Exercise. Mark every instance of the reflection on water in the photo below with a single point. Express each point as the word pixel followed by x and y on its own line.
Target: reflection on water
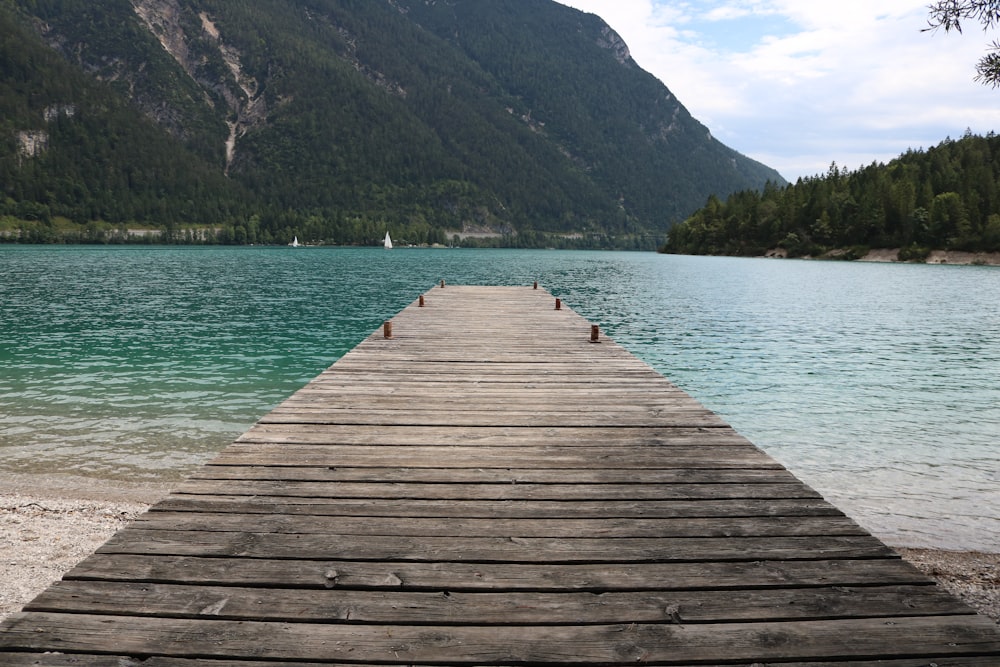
pixel 876 384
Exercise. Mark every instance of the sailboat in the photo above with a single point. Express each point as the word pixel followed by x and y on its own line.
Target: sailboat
pixel 388 242
pixel 295 242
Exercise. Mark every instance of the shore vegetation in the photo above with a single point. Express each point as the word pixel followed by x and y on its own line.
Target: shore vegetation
pixel 943 198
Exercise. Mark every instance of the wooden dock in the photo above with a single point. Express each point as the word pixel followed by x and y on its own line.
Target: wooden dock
pixel 490 487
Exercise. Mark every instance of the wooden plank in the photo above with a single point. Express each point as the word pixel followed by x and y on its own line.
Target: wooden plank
pixel 493 437
pixel 556 366
pixel 563 387
pixel 691 418
pixel 582 645
pixel 497 375
pixel 509 509
pixel 476 457
pixel 472 396
pixel 425 549
pixel 496 608
pixel 684 527
pixel 53 660
pixel 435 408
pixel 293 472
pixel 513 489
pixel 539 577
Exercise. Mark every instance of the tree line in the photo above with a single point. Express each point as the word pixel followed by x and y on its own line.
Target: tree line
pixel 946 197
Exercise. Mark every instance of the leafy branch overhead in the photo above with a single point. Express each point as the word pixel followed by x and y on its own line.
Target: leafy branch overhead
pixel 950 15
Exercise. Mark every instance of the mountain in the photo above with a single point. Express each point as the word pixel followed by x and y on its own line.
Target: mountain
pixel 71 146
pixel 333 119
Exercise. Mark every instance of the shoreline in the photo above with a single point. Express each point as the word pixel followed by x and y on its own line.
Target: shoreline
pixel 48 524
pixel 957 257
pixel 891 256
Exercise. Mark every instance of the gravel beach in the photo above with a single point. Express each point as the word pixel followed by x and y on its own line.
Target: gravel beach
pixel 48 525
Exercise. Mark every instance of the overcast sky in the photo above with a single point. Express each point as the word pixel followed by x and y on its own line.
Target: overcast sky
pixel 798 84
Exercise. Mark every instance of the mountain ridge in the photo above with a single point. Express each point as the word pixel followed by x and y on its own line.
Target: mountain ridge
pixel 331 120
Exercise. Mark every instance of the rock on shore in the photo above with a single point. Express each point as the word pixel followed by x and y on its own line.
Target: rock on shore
pixel 891 255
pixel 937 257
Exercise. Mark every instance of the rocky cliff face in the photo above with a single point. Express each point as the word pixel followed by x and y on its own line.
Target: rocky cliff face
pixel 612 41
pixel 245 108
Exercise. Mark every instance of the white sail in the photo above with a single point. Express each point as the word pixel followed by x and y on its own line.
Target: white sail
pixel 295 242
pixel 388 242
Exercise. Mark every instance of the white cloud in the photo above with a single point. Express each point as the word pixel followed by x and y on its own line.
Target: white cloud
pixel 798 84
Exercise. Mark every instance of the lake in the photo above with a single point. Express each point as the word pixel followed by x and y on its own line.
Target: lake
pixel 877 384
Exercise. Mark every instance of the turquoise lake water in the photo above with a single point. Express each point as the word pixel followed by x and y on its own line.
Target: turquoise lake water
pixel 877 384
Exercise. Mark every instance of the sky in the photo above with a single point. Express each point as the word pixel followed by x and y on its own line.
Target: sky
pixel 800 84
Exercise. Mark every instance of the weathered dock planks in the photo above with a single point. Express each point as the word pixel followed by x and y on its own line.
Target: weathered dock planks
pixel 488 487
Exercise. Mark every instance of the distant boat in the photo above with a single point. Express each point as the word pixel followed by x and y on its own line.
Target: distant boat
pixel 295 242
pixel 388 242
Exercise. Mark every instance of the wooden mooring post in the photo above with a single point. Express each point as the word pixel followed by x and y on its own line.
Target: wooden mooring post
pixel 491 489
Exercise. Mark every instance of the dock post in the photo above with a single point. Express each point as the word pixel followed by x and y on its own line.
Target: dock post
pixel 442 283
pixel 595 333
pixel 558 304
pixel 536 284
pixel 421 300
pixel 387 329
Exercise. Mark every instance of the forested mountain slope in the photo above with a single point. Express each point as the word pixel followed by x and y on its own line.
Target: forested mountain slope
pixel 944 198
pixel 334 119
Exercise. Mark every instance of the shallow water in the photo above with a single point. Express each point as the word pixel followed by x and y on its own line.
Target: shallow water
pixel 876 384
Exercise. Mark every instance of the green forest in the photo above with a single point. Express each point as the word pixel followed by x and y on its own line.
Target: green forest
pixel 335 120
pixel 943 198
